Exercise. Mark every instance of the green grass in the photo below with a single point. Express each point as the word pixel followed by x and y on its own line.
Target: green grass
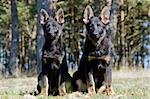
pixel 126 84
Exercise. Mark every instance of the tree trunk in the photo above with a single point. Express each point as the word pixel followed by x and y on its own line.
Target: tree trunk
pixel 121 61
pixel 13 62
pixel 113 17
pixel 97 7
pixel 32 52
pixel 122 33
pixel 33 48
pixel 22 52
pixel 114 7
pixel 137 60
pixel 40 38
pixel 130 59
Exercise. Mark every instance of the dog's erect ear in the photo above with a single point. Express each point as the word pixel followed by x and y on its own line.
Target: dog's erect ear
pixel 88 13
pixel 105 15
pixel 60 16
pixel 43 16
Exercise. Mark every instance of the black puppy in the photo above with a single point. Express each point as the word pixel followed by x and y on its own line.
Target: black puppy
pixel 51 80
pixel 94 73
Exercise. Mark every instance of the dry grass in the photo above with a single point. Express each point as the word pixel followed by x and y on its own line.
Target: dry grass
pixel 126 84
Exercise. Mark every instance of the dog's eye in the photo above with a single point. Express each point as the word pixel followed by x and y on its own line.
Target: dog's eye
pixel 91 27
pixel 98 25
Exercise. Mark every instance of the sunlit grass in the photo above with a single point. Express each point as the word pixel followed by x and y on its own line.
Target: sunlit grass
pixel 126 84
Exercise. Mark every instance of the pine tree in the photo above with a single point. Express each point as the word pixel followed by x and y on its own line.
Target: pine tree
pixel 13 62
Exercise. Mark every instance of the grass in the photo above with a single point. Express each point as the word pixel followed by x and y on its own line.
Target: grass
pixel 126 84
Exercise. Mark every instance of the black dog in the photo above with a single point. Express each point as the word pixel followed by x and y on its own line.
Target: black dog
pixel 94 73
pixel 51 80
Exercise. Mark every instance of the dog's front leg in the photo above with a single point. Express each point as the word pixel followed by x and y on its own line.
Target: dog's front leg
pixel 61 86
pixel 43 85
pixel 90 84
pixel 107 88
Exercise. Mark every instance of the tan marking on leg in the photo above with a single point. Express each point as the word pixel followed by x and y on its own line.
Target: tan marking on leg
pixel 91 85
pixel 43 83
pixel 62 89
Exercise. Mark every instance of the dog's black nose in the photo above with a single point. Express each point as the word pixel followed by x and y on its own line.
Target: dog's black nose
pixel 97 35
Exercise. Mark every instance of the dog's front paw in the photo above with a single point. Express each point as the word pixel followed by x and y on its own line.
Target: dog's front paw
pixel 91 90
pixel 43 85
pixel 44 92
pixel 106 90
